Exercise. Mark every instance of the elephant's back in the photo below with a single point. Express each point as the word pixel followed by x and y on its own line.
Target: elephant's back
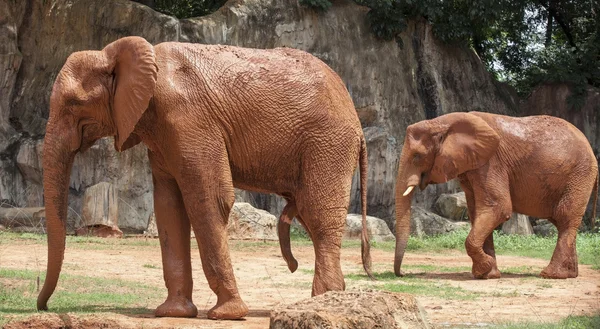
pixel 280 81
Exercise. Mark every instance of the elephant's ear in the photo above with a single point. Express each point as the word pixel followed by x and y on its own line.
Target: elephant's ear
pixel 467 144
pixel 133 67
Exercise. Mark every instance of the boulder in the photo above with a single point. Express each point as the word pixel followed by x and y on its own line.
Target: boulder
pixel 247 222
pixel 452 206
pixel 544 228
pixel 350 309
pixel 423 222
pixel 151 231
pixel 23 217
pixel 377 228
pixel 99 216
pixel 518 224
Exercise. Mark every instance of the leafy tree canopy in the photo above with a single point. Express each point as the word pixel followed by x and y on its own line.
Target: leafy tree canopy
pixel 188 8
pixel 523 42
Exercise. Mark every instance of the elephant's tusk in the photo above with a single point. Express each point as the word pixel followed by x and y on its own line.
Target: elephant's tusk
pixel 408 190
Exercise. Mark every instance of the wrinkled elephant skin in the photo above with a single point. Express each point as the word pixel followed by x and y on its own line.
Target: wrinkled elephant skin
pixel 213 118
pixel 539 166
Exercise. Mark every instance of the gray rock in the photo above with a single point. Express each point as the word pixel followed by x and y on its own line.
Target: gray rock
pixel 247 222
pixel 352 310
pixel 100 212
pixel 423 223
pixel 544 228
pixel 518 224
pixel 29 161
pixel 377 228
pixel 151 231
pixel 33 217
pixel 452 206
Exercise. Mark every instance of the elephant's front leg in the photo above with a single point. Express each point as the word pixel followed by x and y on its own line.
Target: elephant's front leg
pixel 174 235
pixel 479 243
pixel 488 244
pixel 208 194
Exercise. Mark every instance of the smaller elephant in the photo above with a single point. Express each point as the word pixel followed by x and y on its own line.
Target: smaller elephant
pixel 539 166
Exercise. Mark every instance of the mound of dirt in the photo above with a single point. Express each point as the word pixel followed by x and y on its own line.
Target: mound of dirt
pixel 349 309
pixel 64 321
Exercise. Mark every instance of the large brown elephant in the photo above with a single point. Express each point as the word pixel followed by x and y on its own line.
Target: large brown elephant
pixel 213 118
pixel 539 166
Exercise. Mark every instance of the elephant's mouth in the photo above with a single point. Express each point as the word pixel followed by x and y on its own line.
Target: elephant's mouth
pixel 424 181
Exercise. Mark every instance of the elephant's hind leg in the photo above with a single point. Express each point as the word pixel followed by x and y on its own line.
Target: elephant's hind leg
pixel 564 259
pixel 207 189
pixel 174 235
pixel 283 232
pixel 326 228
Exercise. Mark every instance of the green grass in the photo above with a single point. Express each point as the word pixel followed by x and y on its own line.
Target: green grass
pixel 78 242
pixel 18 294
pixel 588 245
pixel 571 322
pixel 388 281
pixel 151 266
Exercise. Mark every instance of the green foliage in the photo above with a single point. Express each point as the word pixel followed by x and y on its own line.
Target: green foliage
pixel 524 42
pixel 316 4
pixel 188 8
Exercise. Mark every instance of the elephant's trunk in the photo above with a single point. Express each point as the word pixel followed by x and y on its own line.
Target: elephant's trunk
pixel 406 180
pixel 57 162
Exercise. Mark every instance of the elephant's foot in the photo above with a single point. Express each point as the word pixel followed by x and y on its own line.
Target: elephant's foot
pixel 486 269
pixel 177 307
pixel 493 274
pixel 232 309
pixel 554 272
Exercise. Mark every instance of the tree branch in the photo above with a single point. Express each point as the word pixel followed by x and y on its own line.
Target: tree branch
pixel 561 22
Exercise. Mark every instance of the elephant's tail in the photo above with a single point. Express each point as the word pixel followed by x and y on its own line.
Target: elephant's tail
pixel 595 194
pixel 364 242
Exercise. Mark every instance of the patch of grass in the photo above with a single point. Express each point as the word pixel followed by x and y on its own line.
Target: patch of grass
pixel 18 294
pixel 523 269
pixel 436 269
pixel 588 245
pixel 544 285
pixel 571 322
pixel 388 281
pixel 78 242
pixel 151 266
pixel 307 271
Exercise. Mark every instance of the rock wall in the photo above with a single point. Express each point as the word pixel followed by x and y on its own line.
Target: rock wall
pixel 392 86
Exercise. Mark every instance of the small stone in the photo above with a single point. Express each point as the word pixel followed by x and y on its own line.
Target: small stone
pixel 518 224
pixel 377 228
pixel 452 206
pixel 423 223
pixel 100 213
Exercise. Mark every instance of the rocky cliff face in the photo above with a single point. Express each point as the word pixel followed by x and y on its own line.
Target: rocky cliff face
pixel 391 86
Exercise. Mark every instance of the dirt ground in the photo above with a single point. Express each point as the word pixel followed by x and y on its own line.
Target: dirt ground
pixel 264 282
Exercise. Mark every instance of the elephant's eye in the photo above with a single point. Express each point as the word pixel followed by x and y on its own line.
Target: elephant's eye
pixel 417 157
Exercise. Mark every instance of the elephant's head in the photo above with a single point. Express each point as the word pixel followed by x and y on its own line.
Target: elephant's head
pixel 436 151
pixel 96 94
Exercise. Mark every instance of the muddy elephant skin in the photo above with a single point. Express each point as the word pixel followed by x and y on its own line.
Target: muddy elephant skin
pixel 213 118
pixel 539 166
